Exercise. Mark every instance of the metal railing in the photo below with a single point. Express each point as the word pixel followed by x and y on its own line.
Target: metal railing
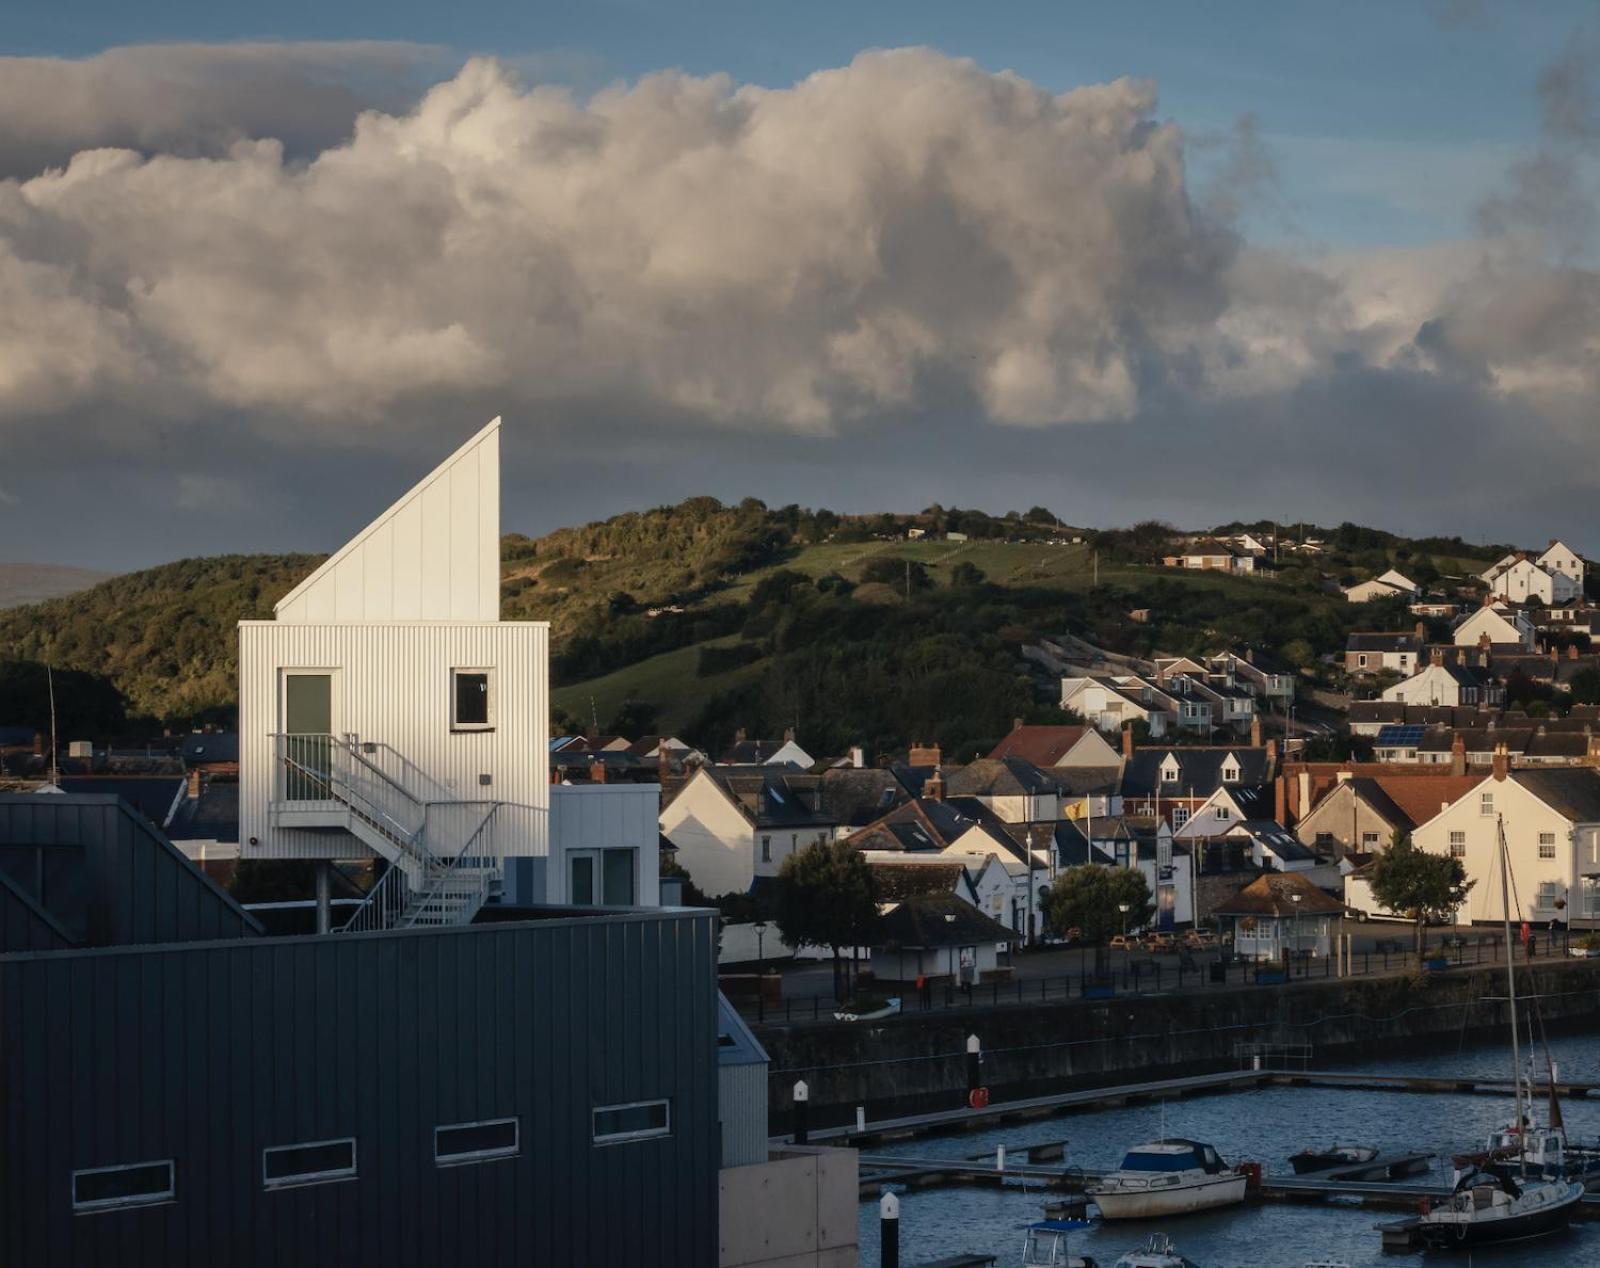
pixel 330 768
pixel 479 875
pixel 385 904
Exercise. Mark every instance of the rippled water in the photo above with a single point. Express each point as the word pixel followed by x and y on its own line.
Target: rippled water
pixel 1266 1126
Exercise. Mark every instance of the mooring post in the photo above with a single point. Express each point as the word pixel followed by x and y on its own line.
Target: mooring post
pixel 889 1231
pixel 974 1062
pixel 802 1097
pixel 999 1157
pixel 861 1119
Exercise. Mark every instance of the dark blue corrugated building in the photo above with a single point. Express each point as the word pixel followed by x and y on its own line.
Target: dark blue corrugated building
pixel 176 1089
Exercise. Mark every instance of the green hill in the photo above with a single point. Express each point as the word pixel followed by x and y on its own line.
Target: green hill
pixel 700 618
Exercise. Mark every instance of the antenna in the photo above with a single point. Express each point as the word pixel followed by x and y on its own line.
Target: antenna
pixel 50 683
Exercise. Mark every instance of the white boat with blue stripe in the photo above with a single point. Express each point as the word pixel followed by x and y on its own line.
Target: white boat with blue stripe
pixel 1168 1177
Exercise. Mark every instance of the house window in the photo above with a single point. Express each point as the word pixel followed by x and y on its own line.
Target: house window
pixel 1547 845
pixel 1361 660
pixel 1180 816
pixel 1549 894
pixel 109 1188
pixel 1222 813
pixel 601 878
pixel 1169 775
pixel 1458 845
pixel 1369 838
pixel 1486 803
pixel 464 1143
pixel 1324 839
pixel 471 700
pixel 1230 774
pixel 316 1162
pixel 637 1120
pixel 766 849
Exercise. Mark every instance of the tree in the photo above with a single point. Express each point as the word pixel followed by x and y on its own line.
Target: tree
pixel 1088 898
pixel 827 896
pixel 966 575
pixel 1418 885
pixel 1299 653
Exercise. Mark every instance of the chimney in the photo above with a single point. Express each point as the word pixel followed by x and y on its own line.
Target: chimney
pixel 1461 656
pixel 858 758
pixel 924 755
pixel 597 772
pixel 1280 800
pixel 1484 642
pixel 1438 655
pixel 1250 655
pixel 1422 633
pixel 663 762
pixel 1458 754
pixel 194 784
pixel 1255 731
pixel 1500 766
pixel 1303 802
pixel 1572 651
pixel 933 790
pixel 1272 759
pixel 1016 724
pixel 788 735
pixel 739 736
pixel 555 774
pixel 1127 741
pixel 38 743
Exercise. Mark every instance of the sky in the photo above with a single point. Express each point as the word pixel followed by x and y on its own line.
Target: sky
pixel 1125 260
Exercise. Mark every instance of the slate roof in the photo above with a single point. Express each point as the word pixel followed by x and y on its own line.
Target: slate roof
pixel 152 797
pixel 1278 840
pixel 857 796
pixel 771 796
pixel 1073 848
pixel 1199 769
pixel 212 816
pixel 900 881
pixel 921 922
pixel 1269 895
pixel 1000 777
pixel 1378 641
pixel 1083 781
pixel 1573 792
pixel 1044 746
pixel 752 752
pixel 200 747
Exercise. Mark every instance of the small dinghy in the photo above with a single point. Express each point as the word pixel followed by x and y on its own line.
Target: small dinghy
pixel 1311 1160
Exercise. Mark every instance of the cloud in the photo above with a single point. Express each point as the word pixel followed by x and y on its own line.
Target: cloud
pixel 197 99
pixel 904 254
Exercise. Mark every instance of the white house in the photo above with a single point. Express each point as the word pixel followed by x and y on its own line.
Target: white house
pixel 1110 701
pixel 1442 683
pixel 1503 627
pixel 1524 581
pixel 734 825
pixel 1382 587
pixel 387 710
pixel 1561 558
pixel 1552 828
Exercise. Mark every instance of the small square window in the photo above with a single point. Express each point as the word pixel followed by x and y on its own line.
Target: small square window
pixel 1547 851
pixel 110 1188
pixel 1369 838
pixel 476 1142
pixel 638 1120
pixel 315 1162
pixel 471 700
pixel 1486 803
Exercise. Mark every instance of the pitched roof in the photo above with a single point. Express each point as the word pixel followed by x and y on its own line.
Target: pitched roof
pixel 1372 641
pixel 770 796
pixel 937 920
pixel 200 747
pixel 898 881
pixel 859 795
pixel 1199 769
pixel 1572 791
pixel 1269 895
pixel 212 816
pixel 1041 745
pixel 1000 777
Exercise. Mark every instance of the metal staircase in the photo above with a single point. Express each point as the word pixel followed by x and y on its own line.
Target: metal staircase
pixel 435 876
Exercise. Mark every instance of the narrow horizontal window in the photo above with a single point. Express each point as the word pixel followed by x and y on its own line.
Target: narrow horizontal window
pixel 315 1162
pixel 137 1184
pixel 638 1120
pixel 475 1142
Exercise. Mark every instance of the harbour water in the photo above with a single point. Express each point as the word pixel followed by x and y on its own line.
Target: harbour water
pixel 1265 1126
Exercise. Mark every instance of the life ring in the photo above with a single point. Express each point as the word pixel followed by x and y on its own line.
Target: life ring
pixel 978 1098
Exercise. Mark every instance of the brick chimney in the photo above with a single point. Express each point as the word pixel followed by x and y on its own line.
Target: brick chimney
pixel 38 743
pixel 1501 764
pixel 1272 759
pixel 933 790
pixel 1572 651
pixel 1461 656
pixel 597 772
pixel 788 735
pixel 1127 741
pixel 740 736
pixel 1280 799
pixel 555 774
pixel 924 755
pixel 1458 754
pixel 663 762
pixel 1255 731
pixel 1438 656
pixel 1484 642
pixel 1016 724
pixel 1422 633
pixel 1249 655
pixel 194 784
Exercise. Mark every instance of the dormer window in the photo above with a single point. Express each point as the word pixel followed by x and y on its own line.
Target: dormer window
pixel 1230 773
pixel 1169 774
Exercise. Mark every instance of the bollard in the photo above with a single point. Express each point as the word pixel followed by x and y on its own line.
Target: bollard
pixel 1258 1060
pixel 999 1157
pixel 802 1097
pixel 861 1119
pixel 889 1231
pixel 974 1061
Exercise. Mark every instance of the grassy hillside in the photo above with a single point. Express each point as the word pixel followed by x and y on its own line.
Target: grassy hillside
pixel 700 618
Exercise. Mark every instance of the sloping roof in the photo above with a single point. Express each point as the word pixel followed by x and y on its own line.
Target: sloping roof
pixel 1374 641
pixel 1277 840
pixel 153 798
pixel 736 1042
pixel 753 752
pixel 212 816
pixel 1199 769
pixel 938 920
pixel 900 881
pixel 768 796
pixel 857 796
pixel 1000 777
pixel 1082 781
pixel 200 747
pixel 1073 847
pixel 1269 895
pixel 1573 791
pixel 1419 797
pixel 1041 745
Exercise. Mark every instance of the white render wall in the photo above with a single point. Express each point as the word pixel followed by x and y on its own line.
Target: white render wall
pixel 715 840
pixel 392 685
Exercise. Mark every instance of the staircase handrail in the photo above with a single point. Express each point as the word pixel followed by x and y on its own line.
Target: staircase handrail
pixel 439 875
pixel 383 905
pixel 342 788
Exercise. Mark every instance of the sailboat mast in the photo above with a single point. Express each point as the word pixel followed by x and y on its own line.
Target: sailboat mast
pixel 1511 991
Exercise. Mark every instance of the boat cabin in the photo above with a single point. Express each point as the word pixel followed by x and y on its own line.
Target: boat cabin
pixel 1046 1246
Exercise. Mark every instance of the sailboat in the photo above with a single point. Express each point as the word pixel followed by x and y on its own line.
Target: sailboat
pixel 1503 1203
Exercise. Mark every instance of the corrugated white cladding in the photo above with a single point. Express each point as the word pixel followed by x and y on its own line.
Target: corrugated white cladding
pixel 608 817
pixel 392 686
pixel 432 556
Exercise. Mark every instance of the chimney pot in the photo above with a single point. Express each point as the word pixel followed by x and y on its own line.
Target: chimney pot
pixel 597 772
pixel 1500 765
pixel 194 784
pixel 1572 651
pixel 788 734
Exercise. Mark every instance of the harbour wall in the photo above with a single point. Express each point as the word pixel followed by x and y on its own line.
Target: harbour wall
pixel 917 1062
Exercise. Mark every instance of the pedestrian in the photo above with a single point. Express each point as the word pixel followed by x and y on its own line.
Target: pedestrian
pixel 1533 946
pixel 924 990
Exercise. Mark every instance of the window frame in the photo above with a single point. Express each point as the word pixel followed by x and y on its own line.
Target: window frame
pixel 303 1178
pixel 599 1140
pixel 456 724
pixel 94 1206
pixel 470 1157
pixel 1485 805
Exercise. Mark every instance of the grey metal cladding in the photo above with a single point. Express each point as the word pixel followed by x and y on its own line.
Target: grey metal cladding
pixel 207 1052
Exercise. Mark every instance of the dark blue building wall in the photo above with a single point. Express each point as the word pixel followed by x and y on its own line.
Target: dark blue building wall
pixel 207 1053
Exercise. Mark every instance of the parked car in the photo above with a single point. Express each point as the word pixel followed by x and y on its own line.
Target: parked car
pixel 1125 942
pixel 1161 943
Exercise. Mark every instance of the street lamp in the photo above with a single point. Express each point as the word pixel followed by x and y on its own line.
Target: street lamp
pixel 761 970
pixel 1295 899
pixel 1124 908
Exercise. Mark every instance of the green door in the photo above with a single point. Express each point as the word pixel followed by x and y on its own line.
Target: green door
pixel 308 728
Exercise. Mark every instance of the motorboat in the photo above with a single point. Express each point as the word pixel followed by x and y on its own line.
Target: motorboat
pixel 1335 1155
pixel 1047 1245
pixel 1157 1252
pixel 1507 1200
pixel 1168 1177
pixel 1489 1207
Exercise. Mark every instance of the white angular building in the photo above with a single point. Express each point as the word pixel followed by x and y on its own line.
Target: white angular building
pixel 388 710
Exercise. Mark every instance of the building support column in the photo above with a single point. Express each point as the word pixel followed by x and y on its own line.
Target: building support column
pixel 323 871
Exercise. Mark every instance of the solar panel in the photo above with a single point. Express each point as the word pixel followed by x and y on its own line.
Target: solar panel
pixel 1400 736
